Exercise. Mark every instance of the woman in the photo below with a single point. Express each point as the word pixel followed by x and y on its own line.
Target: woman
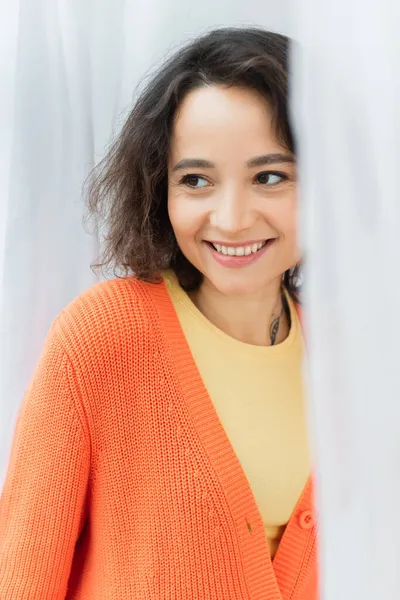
pixel 161 449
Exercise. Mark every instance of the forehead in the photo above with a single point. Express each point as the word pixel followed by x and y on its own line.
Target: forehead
pixel 217 122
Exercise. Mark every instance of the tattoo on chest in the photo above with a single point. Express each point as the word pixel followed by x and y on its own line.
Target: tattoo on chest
pixel 273 330
pixel 274 327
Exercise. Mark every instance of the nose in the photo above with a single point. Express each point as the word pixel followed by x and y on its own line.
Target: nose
pixel 232 212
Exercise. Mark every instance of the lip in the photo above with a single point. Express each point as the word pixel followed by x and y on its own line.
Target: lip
pixel 235 262
pixel 236 244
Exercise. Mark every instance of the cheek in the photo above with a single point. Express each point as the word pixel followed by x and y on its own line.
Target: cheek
pixel 283 217
pixel 186 217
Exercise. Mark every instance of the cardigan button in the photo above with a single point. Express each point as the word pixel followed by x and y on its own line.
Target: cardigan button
pixel 307 520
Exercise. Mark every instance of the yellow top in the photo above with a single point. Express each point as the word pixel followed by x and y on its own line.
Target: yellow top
pixel 258 394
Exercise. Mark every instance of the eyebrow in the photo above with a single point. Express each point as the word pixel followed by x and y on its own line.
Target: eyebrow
pixel 193 163
pixel 257 161
pixel 270 159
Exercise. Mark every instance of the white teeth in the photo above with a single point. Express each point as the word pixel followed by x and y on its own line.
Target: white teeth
pixel 239 250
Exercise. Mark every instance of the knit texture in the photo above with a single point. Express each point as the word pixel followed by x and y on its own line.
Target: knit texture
pixel 122 484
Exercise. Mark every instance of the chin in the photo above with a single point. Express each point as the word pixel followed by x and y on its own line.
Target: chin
pixel 237 284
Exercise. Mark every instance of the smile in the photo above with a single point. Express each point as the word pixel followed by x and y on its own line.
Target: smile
pixel 235 256
pixel 245 250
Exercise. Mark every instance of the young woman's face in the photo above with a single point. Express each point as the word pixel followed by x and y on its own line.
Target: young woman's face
pixel 232 190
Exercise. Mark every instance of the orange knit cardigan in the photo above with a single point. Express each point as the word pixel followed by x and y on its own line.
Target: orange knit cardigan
pixel 122 484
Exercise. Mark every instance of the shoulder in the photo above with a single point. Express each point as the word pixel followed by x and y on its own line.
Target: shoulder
pixel 111 296
pixel 108 315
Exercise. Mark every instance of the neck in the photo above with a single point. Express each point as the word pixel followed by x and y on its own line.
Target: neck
pixel 260 320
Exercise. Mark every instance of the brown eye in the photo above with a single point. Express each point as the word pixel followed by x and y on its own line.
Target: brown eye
pixel 194 181
pixel 269 178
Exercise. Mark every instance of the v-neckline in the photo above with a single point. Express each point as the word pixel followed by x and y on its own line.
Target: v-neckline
pixel 265 578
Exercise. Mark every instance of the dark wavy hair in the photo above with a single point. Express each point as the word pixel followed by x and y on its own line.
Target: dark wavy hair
pixel 127 192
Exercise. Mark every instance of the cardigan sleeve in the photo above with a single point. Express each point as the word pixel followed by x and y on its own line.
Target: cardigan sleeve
pixel 43 499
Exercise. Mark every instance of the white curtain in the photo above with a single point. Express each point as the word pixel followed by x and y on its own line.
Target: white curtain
pixel 346 106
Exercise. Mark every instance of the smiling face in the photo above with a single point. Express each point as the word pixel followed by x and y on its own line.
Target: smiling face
pixel 232 191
